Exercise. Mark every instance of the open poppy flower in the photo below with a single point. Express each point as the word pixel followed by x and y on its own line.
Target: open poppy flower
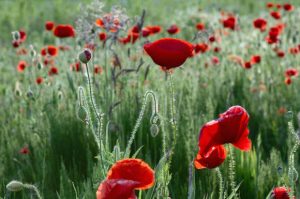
pixel 280 193
pixel 135 170
pixel 173 29
pixel 21 66
pixel 53 71
pixel 64 31
pixel 201 48
pixel 39 80
pixel 169 52
pixel 23 36
pixel 230 23
pixel 146 32
pixel 117 189
pixel 214 158
pixel 200 26
pixel 102 36
pixel 154 29
pixel 290 72
pixel 255 59
pixel 49 25
pixel 49 50
pixel 230 127
pixel 275 15
pixel 288 7
pixel 260 24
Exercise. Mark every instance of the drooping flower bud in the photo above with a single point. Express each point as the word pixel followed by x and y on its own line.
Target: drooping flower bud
pixel 154 130
pixel 16 35
pixel 85 56
pixel 15 186
pixel 82 113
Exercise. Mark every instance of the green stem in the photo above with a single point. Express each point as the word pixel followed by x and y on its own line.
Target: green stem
pixel 221 187
pixel 34 188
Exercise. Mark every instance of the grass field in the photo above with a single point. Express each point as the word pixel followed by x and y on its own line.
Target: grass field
pixel 54 141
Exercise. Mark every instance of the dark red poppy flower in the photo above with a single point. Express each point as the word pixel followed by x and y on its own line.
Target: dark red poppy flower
pixel 260 24
pixel 76 66
pixel 102 36
pixel 270 5
pixel 21 66
pixel 133 169
pixel 99 22
pixel 255 59
pixel 15 43
pixel 154 29
pixel 169 52
pixel 132 37
pixel 201 48
pixel 274 33
pixel 24 150
pixel 49 25
pixel 280 54
pixel 230 23
pixel 212 39
pixel 290 72
pixel 23 36
pixel 217 49
pixel 135 29
pixel 200 26
pixel 294 50
pixel 231 127
pixel 146 32
pixel 64 31
pixel 275 14
pixel 280 193
pixel 98 69
pixel 117 189
pixel 49 50
pixel 215 60
pixel 247 65
pixel 288 80
pixel 53 71
pixel 173 29
pixel 214 158
pixel 39 80
pixel 288 7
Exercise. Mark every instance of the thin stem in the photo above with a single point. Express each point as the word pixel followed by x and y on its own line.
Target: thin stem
pixel 34 188
pixel 221 186
pixel 99 117
pixel 232 169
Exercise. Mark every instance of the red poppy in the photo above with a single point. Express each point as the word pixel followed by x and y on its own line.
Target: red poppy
pixel 169 52
pixel 287 80
pixel 15 43
pixel 231 127
pixel 255 59
pixel 214 158
pixel 280 193
pixel 24 150
pixel 215 60
pixel 230 23
pixel 274 33
pixel 200 26
pixel 275 15
pixel 135 29
pixel 21 66
pixel 247 65
pixel 99 22
pixel 76 66
pixel 212 39
pixel 290 72
pixel 201 47
pixel 117 189
pixel 39 80
pixel 269 5
pixel 49 25
pixel 288 7
pixel 294 50
pixel 53 71
pixel 280 54
pixel 64 31
pixel 102 36
pixel 146 32
pixel 260 23
pixel 98 69
pixel 173 29
pixel 23 36
pixel 49 50
pixel 133 169
pixel 154 29
pixel 217 49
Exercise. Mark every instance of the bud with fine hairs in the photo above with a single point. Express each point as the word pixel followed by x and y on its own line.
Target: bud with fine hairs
pixel 85 56
pixel 16 35
pixel 15 186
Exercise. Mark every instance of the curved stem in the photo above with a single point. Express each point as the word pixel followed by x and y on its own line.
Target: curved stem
pixel 34 188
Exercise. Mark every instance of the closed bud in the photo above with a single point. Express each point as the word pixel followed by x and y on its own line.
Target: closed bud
pixel 85 56
pixel 29 94
pixel 16 35
pixel 40 65
pixel 32 51
pixel 15 186
pixel 154 130
pixel 82 113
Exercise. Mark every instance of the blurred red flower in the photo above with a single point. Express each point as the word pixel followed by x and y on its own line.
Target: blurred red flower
pixel 49 50
pixel 255 59
pixel 98 69
pixel 201 47
pixel 102 36
pixel 280 193
pixel 288 7
pixel 200 26
pixel 290 72
pixel 53 71
pixel 169 52
pixel 230 23
pixel 64 31
pixel 39 80
pixel 275 15
pixel 247 65
pixel 49 25
pixel 173 29
pixel 260 23
pixel 24 150
pixel 117 189
pixel 21 66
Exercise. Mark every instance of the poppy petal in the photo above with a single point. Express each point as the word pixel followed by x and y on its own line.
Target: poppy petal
pixel 214 158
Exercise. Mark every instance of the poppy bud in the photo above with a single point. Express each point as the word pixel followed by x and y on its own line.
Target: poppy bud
pixel 85 56
pixel 40 66
pixel 82 113
pixel 29 94
pixel 154 130
pixel 16 35
pixel 32 51
pixel 15 186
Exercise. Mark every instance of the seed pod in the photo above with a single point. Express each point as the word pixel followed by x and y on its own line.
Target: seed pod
pixel 85 56
pixel 15 186
pixel 154 130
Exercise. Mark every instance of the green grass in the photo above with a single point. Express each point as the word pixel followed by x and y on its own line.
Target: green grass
pixel 63 160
